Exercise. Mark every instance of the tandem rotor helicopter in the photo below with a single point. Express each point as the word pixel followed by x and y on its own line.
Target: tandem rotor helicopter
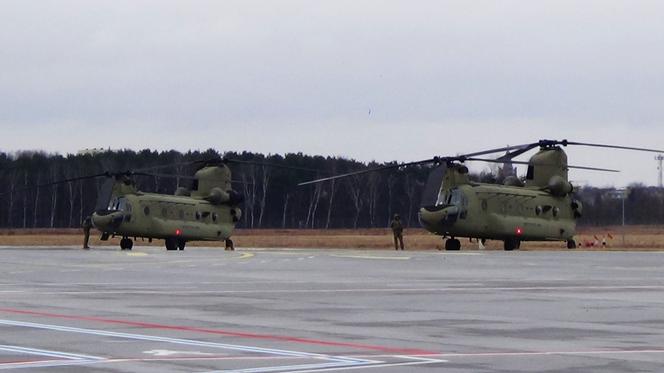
pixel 207 211
pixel 542 208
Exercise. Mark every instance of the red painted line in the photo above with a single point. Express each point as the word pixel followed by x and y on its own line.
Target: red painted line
pixel 14 362
pixel 221 332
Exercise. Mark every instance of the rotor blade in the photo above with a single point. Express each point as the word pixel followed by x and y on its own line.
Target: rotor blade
pixel 517 152
pixel 527 163
pixel 612 146
pixel 497 150
pixel 268 164
pixel 175 164
pixel 171 176
pixel 376 169
pixel 57 182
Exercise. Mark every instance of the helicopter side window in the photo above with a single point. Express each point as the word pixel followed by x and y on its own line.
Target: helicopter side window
pixel 194 185
pixel 530 175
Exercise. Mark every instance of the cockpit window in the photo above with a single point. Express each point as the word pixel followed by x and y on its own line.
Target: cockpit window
pixel 119 204
pixel 531 172
pixel 456 198
pixel 451 197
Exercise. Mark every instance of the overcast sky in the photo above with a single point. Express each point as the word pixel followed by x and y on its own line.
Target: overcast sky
pixel 372 80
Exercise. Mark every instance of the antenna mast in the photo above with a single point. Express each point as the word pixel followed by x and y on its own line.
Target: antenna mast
pixel 659 158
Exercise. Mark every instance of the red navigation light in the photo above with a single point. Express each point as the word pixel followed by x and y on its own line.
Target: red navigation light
pixel 519 231
pixel 178 232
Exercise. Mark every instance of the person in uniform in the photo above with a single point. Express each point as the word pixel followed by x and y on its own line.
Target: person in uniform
pixel 229 245
pixel 397 231
pixel 87 225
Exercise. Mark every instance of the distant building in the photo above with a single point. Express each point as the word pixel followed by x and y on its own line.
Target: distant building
pixel 92 151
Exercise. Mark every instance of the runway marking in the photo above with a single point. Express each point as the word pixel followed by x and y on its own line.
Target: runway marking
pixel 371 257
pixel 245 256
pixel 137 254
pixel 331 362
pixel 220 332
pixel 547 353
pixel 63 358
pixel 332 291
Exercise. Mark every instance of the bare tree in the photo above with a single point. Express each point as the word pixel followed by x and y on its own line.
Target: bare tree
pixel 249 191
pixel 264 186
pixel 355 191
pixel 409 187
pixel 25 199
pixel 333 190
pixel 36 204
pixel 391 181
pixel 54 196
pixel 12 186
pixel 313 206
pixel 372 197
pixel 283 216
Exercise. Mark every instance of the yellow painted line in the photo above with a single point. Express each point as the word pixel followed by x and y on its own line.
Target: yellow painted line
pixel 372 257
pixel 137 254
pixel 245 256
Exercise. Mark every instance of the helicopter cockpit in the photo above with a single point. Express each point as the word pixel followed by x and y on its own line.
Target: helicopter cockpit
pixel 119 204
pixel 452 197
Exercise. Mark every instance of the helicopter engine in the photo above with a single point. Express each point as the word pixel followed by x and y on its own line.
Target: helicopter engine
pixel 218 196
pixel 559 187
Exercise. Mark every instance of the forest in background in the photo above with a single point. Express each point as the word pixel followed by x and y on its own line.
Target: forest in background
pixel 272 197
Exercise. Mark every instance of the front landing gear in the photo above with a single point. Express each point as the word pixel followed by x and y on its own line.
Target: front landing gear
pixel 571 244
pixel 126 243
pixel 452 244
pixel 511 244
pixel 171 243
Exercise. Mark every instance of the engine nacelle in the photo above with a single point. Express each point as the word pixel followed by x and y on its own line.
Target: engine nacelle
pixel 218 196
pixel 559 187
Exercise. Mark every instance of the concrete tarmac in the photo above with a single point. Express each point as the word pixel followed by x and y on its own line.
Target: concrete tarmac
pixel 209 310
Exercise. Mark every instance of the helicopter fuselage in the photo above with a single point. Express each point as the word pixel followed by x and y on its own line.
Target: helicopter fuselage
pixel 161 216
pixel 500 212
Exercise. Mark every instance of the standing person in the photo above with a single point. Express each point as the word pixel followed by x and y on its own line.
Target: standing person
pixel 87 225
pixel 229 245
pixel 397 231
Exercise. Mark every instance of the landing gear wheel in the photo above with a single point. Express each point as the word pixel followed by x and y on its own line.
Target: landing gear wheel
pixel 512 244
pixel 571 244
pixel 452 245
pixel 181 244
pixel 126 244
pixel 171 244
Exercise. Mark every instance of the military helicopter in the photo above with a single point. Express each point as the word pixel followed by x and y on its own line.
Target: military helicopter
pixel 540 209
pixel 207 211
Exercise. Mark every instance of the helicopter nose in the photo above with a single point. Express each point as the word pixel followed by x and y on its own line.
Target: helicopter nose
pixel 107 220
pixel 436 218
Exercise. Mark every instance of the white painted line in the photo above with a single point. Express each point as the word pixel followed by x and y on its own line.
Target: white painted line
pixel 49 353
pixel 371 257
pixel 351 290
pixel 339 361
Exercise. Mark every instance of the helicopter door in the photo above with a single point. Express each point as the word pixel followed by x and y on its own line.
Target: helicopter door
pixel 432 187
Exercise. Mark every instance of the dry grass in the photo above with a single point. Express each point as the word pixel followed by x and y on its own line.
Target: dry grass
pixel 635 237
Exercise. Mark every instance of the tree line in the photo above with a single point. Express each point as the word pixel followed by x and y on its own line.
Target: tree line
pixel 272 197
